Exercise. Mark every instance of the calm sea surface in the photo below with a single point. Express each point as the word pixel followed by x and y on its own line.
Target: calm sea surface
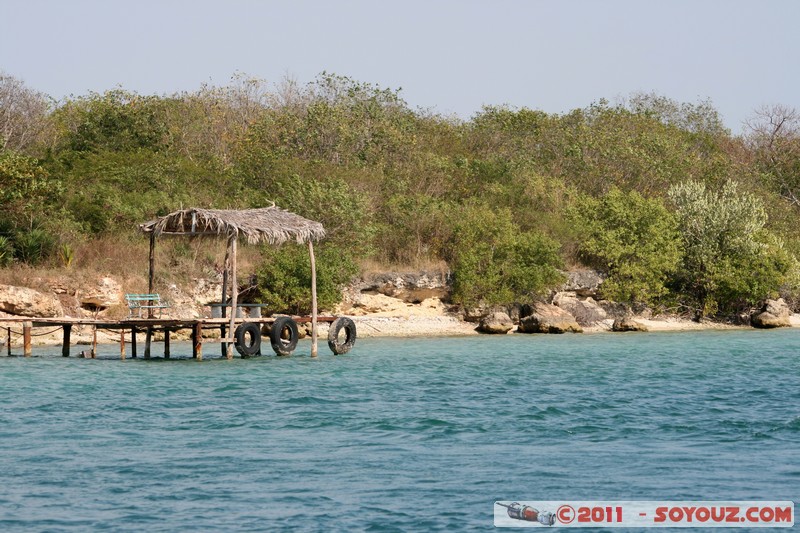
pixel 399 435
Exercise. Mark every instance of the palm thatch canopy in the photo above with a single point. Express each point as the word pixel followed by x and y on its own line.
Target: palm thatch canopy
pixel 271 225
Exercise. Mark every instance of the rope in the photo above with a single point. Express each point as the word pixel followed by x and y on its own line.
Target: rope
pixel 46 333
pixel 20 334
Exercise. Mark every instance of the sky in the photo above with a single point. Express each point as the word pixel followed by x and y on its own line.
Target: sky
pixel 450 56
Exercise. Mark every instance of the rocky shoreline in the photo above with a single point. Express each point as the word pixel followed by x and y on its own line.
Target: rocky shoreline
pixel 384 305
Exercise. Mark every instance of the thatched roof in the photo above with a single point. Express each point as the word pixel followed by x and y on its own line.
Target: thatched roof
pixel 272 225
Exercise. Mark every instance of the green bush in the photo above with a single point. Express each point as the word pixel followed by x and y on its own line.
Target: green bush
pixel 729 262
pixel 6 251
pixel 284 278
pixel 415 229
pixel 66 254
pixel 635 240
pixel 34 246
pixel 493 262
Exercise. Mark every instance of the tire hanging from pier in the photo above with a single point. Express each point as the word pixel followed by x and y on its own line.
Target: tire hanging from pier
pixel 349 327
pixel 244 348
pixel 284 335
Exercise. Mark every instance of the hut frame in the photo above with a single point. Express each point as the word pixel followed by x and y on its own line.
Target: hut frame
pixel 268 225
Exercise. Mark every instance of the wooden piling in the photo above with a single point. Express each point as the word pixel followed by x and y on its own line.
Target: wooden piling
pixel 94 342
pixel 133 343
pixel 65 346
pixel 151 280
pixel 147 339
pixel 224 300
pixel 122 344
pixel 8 341
pixel 313 299
pixel 26 338
pixel 234 290
pixel 197 341
pixel 166 344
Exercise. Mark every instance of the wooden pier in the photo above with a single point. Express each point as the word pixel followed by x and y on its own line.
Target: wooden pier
pixel 270 225
pixel 148 326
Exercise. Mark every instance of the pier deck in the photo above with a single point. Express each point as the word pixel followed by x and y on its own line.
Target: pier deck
pixel 135 325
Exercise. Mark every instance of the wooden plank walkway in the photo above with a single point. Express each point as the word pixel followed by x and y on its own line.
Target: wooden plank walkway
pixel 149 326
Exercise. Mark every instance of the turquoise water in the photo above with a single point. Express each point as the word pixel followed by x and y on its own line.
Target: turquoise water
pixel 399 435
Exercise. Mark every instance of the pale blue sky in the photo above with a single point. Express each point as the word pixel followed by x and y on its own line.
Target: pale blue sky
pixel 452 56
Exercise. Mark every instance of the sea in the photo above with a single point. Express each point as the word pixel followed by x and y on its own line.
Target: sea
pixel 416 434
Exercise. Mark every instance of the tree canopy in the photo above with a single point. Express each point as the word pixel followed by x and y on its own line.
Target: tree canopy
pixel 657 193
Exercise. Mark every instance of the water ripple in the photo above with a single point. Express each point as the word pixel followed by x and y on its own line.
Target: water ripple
pixel 404 435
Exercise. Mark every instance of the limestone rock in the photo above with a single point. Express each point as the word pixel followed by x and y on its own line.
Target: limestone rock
pixel 627 324
pixel 774 314
pixel 615 309
pixel 497 322
pixel 410 287
pixel 546 318
pixel 181 304
pixel 474 314
pixel 586 311
pixel 28 302
pixel 106 293
pixel 583 282
pixel 515 312
pixel 205 291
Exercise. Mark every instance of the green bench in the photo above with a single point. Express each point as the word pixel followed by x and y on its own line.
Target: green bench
pixel 137 302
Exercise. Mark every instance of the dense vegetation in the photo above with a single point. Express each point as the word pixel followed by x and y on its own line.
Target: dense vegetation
pixel 676 210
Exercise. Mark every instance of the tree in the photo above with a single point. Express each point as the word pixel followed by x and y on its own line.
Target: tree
pixel 774 136
pixel 116 120
pixel 694 118
pixel 208 123
pixel 727 262
pixel 493 262
pixel 284 278
pixel 635 240
pixel 23 114
pixel 24 184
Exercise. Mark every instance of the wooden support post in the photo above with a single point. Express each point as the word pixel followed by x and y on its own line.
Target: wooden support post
pixel 65 346
pixel 8 341
pixel 26 338
pixel 234 291
pixel 94 342
pixel 133 342
pixel 166 344
pixel 147 338
pixel 122 344
pixel 224 299
pixel 313 299
pixel 151 288
pixel 197 341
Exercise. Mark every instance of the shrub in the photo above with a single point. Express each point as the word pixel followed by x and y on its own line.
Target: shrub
pixel 729 262
pixel 494 263
pixel 66 254
pixel 284 278
pixel 33 246
pixel 635 240
pixel 6 252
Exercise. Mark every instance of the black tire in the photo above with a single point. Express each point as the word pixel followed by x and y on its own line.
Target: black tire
pixel 284 335
pixel 240 339
pixel 349 327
